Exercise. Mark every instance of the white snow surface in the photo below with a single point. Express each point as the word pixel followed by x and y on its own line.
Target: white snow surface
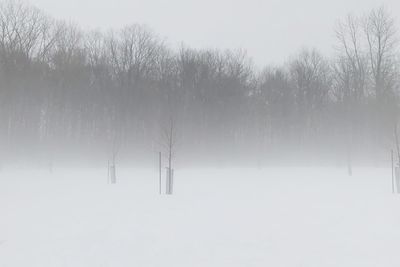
pixel 216 217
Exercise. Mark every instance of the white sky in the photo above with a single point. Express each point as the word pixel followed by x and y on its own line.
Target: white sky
pixel 270 30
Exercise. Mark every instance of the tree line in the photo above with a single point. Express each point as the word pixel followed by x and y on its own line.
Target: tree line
pixel 66 92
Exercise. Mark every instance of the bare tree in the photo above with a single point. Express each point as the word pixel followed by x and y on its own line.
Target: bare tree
pixel 310 74
pixel 169 145
pixel 350 79
pixel 382 43
pixel 381 36
pixel 115 143
pixel 352 66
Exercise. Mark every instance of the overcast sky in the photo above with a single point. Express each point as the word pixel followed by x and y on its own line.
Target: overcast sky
pixel 270 30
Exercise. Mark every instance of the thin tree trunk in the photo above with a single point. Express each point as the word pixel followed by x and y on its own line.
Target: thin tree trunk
pixel 170 159
pixel 108 171
pixel 397 144
pixel 349 163
pixel 392 171
pixel 159 166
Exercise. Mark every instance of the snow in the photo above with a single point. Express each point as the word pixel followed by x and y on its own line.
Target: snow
pixel 216 217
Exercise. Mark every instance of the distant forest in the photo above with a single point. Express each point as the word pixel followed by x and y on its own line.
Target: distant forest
pixel 66 93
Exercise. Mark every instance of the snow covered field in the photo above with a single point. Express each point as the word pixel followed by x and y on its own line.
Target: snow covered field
pixel 236 217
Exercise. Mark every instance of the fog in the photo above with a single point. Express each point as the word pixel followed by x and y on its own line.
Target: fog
pixel 70 94
pixel 212 133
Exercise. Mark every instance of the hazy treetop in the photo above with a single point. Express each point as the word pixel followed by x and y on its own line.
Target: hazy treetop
pixel 268 29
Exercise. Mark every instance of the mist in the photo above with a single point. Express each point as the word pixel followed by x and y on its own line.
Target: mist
pixel 216 137
pixel 72 95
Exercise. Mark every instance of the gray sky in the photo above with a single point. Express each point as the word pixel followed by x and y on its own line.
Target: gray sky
pixel 270 30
